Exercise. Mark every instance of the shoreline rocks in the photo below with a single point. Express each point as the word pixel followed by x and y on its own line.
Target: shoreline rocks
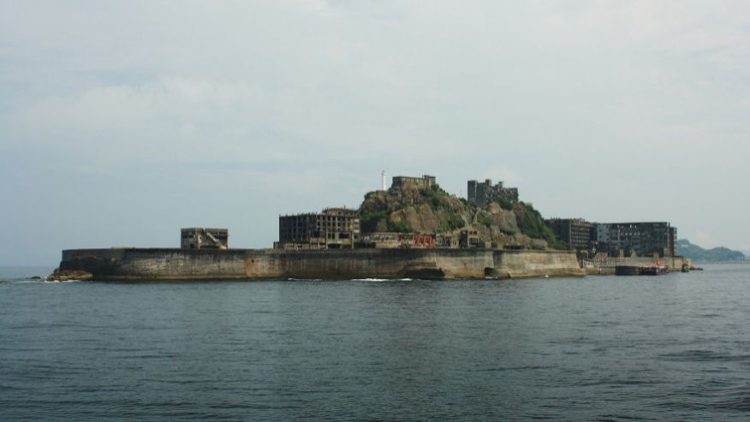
pixel 67 275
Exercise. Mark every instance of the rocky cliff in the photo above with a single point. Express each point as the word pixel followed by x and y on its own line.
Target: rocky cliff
pixel 409 208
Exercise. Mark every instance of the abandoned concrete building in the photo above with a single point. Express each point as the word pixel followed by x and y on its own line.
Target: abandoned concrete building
pixel 616 239
pixel 641 239
pixel 576 232
pixel 423 182
pixel 469 238
pixel 482 193
pixel 334 228
pixel 395 240
pixel 203 238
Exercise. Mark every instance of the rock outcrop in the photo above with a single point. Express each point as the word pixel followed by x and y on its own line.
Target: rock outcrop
pixel 408 208
pixel 68 275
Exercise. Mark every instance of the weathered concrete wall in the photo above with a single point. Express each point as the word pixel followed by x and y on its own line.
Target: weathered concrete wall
pixel 537 263
pixel 156 264
pixel 186 264
pixel 607 265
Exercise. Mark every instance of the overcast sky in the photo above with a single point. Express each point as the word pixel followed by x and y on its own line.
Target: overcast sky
pixel 123 121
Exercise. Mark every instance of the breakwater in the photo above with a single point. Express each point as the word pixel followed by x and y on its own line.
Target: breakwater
pixel 607 265
pixel 197 264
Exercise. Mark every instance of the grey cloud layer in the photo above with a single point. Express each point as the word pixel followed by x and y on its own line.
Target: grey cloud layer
pixel 170 108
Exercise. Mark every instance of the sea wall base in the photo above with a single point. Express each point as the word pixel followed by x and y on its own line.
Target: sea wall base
pixel 191 264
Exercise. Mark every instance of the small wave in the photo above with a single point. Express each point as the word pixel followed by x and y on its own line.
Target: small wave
pixel 380 280
pixel 736 401
pixel 59 281
pixel 515 368
pixel 303 279
pixel 704 356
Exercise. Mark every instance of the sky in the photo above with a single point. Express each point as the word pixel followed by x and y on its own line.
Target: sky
pixel 123 121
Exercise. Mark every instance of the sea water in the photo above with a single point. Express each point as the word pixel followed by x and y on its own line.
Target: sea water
pixel 674 347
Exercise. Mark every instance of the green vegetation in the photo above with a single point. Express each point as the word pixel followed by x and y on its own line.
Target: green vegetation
pixel 455 221
pixel 438 200
pixel 485 220
pixel 505 204
pixel 399 227
pixel 698 254
pixel 435 197
pixel 369 220
pixel 531 223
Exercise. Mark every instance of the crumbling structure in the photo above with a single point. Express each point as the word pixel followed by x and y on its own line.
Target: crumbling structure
pixel 617 239
pixel 482 193
pixel 423 182
pixel 203 238
pixel 334 228
pixel 576 232
pixel 640 238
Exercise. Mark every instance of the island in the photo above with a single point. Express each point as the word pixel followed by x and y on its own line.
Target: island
pixel 413 229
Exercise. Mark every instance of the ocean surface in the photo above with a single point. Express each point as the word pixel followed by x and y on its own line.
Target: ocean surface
pixel 675 347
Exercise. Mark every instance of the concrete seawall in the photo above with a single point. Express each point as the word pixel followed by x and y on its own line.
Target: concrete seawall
pixel 197 264
pixel 607 265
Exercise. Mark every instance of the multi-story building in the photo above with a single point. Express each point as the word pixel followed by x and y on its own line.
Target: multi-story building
pixel 576 232
pixel 482 193
pixel 331 229
pixel 202 238
pixel 640 238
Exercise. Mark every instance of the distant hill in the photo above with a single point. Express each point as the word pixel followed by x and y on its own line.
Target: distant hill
pixel 698 254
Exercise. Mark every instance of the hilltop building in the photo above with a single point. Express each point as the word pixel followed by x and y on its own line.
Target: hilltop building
pixel 482 193
pixel 202 238
pixel 423 182
pixel 334 228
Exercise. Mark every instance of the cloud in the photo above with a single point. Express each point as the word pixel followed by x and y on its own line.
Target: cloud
pixel 302 103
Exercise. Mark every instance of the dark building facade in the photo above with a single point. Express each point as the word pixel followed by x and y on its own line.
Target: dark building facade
pixel 482 193
pixel 576 232
pixel 640 238
pixel 331 229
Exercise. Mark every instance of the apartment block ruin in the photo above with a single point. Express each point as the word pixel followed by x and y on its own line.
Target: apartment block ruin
pixel 482 193
pixel 334 228
pixel 640 238
pixel 616 239
pixel 576 232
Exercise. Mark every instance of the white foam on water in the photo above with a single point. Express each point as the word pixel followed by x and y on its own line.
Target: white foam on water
pixel 60 281
pixel 380 280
